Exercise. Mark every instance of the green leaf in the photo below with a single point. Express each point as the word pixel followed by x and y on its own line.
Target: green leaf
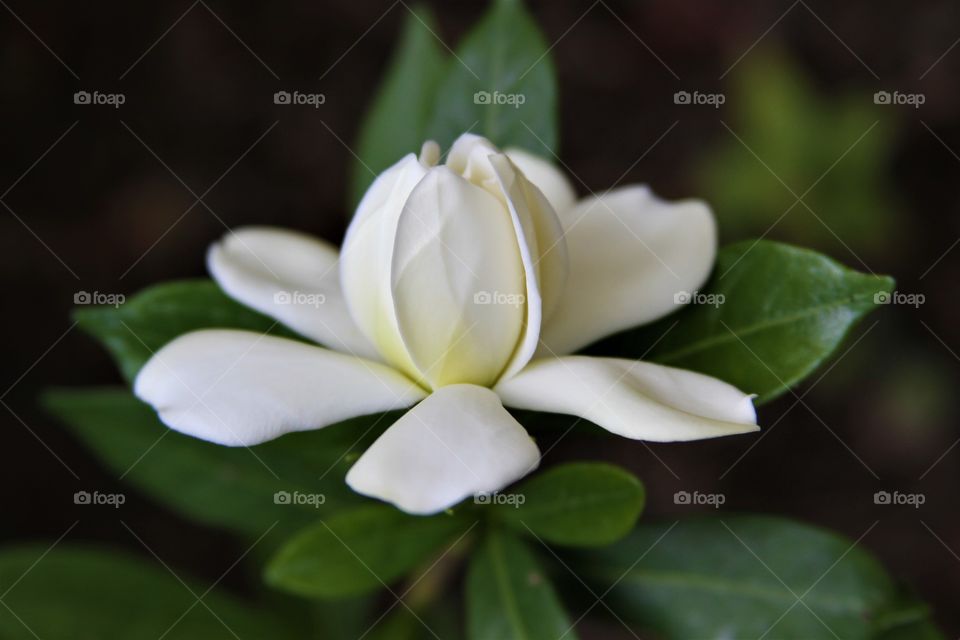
pixel 504 55
pixel 77 593
pixel 396 123
pixel 360 550
pixel 136 329
pixel 344 619
pixel 907 619
pixel 509 596
pixel 576 504
pixel 740 577
pixel 923 629
pixel 784 311
pixel 223 486
pixel 437 621
pixel 399 624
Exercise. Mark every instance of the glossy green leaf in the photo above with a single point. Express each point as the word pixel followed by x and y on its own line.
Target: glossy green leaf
pixel 509 597
pixel 396 123
pixel 741 577
pixel 229 487
pixel 362 549
pixel 500 84
pixel 136 329
pixel 576 504
pixel 781 312
pixel 78 593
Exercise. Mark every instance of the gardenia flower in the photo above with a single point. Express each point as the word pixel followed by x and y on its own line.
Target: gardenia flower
pixel 461 288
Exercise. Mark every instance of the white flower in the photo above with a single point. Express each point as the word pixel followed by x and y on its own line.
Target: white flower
pixel 461 287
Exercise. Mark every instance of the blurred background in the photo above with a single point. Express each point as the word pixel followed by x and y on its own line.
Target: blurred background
pixel 799 147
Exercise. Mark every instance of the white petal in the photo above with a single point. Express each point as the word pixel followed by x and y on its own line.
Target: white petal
pixel 546 177
pixel 457 281
pixel 638 400
pixel 458 442
pixel 632 256
pixel 533 210
pixel 468 157
pixel 542 248
pixel 243 388
pixel 368 253
pixel 291 277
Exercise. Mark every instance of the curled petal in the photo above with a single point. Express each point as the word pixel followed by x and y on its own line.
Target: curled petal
pixel 545 176
pixel 637 400
pixel 542 248
pixel 468 158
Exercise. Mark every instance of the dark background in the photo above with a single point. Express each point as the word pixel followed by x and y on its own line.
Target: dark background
pixel 97 199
